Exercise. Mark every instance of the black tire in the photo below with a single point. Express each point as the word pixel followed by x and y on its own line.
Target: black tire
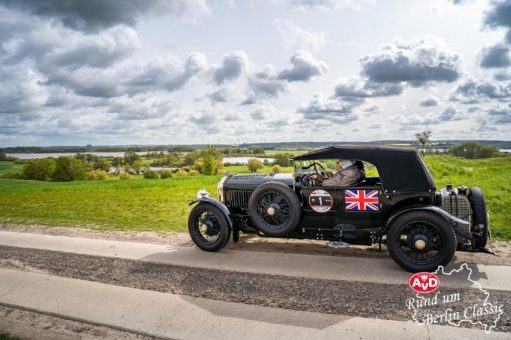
pixel 479 216
pixel 286 212
pixel 405 232
pixel 208 227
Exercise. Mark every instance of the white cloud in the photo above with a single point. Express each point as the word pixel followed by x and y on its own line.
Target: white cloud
pixel 296 38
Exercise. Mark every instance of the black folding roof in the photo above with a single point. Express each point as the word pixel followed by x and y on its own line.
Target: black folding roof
pixel 401 169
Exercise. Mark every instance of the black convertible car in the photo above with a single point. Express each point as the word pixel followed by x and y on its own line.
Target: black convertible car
pixel 395 203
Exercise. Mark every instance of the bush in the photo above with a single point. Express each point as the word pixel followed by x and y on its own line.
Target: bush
pixel 261 171
pixel 254 165
pixel 11 175
pixel 68 169
pixel 151 174
pixel 283 159
pixel 102 164
pixel 276 169
pixel 41 169
pixel 474 151
pixel 193 173
pixel 181 173
pixel 164 174
pixel 97 175
pixel 124 176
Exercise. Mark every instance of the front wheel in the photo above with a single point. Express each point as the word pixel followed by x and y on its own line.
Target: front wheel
pixel 420 241
pixel 208 227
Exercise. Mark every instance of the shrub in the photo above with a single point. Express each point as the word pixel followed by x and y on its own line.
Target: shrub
pixel 11 175
pixel 254 165
pixel 41 169
pixel 474 151
pixel 261 171
pixel 102 164
pixel 283 159
pixel 193 173
pixel 276 169
pixel 97 175
pixel 151 174
pixel 164 174
pixel 124 176
pixel 68 169
pixel 181 173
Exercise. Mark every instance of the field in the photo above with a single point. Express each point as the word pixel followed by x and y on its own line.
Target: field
pixel 162 205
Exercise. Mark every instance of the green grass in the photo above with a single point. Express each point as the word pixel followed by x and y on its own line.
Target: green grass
pixel 138 204
pixel 162 205
pixel 492 175
pixel 6 166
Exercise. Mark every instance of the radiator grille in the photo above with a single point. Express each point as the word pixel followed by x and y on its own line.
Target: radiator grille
pixel 237 198
pixel 459 206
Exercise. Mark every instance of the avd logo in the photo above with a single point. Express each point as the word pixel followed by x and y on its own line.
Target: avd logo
pixel 424 282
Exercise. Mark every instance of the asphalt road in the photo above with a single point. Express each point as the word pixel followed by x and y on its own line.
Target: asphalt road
pixel 173 292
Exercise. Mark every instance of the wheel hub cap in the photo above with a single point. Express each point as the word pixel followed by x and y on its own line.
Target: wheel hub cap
pixel 420 244
pixel 271 211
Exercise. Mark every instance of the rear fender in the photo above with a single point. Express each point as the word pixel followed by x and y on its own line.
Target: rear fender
pixel 218 204
pixel 453 221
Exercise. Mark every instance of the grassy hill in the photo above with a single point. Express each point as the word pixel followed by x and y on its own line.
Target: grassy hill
pixel 162 205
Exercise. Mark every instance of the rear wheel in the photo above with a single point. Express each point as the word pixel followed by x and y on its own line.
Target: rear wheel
pixel 208 227
pixel 420 241
pixel 479 228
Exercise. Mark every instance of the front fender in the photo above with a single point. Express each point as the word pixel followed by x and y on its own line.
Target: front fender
pixel 218 204
pixel 452 220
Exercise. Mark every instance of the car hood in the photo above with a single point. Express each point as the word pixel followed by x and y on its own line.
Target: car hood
pixel 251 181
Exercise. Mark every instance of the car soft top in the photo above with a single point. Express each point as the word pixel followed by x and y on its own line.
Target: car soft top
pixel 401 169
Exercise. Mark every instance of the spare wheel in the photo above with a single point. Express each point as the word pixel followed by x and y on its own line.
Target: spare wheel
pixel 274 209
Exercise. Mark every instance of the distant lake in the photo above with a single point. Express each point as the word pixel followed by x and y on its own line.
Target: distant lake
pixel 244 160
pixel 58 154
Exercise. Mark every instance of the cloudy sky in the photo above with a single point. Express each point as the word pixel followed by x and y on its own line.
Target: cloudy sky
pixel 103 72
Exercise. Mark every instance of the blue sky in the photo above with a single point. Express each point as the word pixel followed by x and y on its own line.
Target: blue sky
pixel 187 72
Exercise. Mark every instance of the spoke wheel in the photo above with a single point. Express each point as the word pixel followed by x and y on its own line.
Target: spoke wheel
pixel 208 227
pixel 274 209
pixel 420 241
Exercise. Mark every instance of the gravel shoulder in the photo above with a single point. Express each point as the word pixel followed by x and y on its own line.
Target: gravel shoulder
pixel 254 243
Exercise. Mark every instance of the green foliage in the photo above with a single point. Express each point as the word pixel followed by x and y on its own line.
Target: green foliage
pixel 150 174
pixel 207 162
pixel 276 169
pixel 137 166
pixel 124 176
pixel 254 164
pixel 193 173
pixel 283 159
pixel 97 175
pixel 164 174
pixel 130 157
pixel 3 157
pixel 68 169
pixel 257 150
pixel 42 169
pixel 102 164
pixel 474 151
pixel 181 173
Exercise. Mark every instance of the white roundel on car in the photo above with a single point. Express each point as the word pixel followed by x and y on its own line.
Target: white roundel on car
pixel 321 201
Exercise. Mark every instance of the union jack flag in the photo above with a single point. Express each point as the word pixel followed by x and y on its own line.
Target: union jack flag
pixel 362 200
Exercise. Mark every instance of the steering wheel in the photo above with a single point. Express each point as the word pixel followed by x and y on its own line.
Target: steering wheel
pixel 323 171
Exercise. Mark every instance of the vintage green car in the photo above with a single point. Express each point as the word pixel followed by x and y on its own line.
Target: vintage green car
pixel 400 207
